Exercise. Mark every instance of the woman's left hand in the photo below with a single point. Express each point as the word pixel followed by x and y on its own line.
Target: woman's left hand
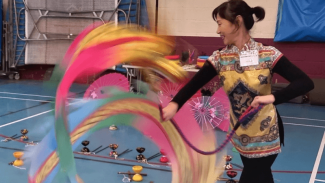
pixel 266 99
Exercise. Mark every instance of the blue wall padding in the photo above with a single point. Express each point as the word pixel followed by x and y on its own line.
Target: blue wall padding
pixel 300 20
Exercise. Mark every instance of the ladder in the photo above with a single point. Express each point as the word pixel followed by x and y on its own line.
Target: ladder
pixel 13 49
pixel 19 23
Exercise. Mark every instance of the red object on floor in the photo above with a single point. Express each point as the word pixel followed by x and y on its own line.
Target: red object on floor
pixel 164 159
pixel 231 174
pixel 162 152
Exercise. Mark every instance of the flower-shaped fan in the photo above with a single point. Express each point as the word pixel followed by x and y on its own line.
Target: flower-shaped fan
pixel 213 85
pixel 170 89
pixel 211 112
pixel 97 89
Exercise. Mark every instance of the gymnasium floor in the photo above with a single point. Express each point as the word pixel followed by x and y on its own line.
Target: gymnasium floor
pixel 26 104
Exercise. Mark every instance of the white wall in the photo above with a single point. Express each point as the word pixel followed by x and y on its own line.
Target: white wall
pixel 193 17
pixel 151 7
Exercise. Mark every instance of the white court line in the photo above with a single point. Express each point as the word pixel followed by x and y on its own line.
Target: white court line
pixel 304 125
pixel 319 180
pixel 318 158
pixel 28 99
pixel 303 118
pixel 31 95
pixel 20 120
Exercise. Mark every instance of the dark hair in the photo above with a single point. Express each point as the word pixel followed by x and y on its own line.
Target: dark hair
pixel 231 9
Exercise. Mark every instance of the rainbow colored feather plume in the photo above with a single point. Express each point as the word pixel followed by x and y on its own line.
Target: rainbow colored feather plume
pixel 94 51
pixel 141 113
pixel 102 48
pixel 109 45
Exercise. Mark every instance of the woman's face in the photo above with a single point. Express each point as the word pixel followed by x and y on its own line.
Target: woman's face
pixel 226 30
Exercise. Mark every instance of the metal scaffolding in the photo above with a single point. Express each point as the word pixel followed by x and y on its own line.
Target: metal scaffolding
pixel 15 40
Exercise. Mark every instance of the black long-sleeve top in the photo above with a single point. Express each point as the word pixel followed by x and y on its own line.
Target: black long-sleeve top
pixel 299 85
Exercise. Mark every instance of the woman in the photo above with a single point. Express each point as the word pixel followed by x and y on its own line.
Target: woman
pixel 246 78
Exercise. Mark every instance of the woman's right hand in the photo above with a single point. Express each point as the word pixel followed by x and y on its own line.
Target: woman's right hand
pixel 169 111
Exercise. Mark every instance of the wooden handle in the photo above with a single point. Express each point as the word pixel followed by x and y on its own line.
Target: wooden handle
pixel 143 174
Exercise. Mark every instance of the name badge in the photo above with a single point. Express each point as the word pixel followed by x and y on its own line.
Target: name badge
pixel 248 58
